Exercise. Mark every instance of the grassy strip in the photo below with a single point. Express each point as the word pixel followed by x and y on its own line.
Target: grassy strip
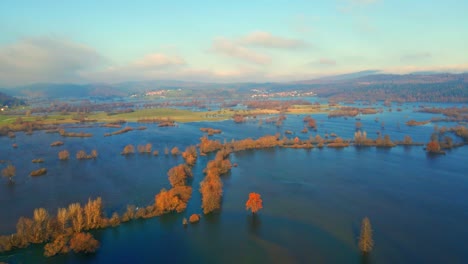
pixel 177 115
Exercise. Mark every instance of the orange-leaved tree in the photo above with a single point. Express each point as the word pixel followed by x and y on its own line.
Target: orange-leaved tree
pixel 433 146
pixel 254 203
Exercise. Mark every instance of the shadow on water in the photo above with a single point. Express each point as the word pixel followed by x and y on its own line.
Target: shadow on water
pixel 434 156
pixel 365 258
pixel 253 224
pixel 213 218
pixel 407 149
pixel 168 221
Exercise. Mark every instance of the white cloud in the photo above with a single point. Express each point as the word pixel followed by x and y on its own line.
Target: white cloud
pixel 417 56
pixel 159 60
pixel 236 50
pixel 451 68
pixel 224 74
pixel 327 61
pixel 267 40
pixel 247 47
pixel 362 2
pixel 45 59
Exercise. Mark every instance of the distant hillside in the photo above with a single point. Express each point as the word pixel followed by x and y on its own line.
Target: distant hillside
pixel 366 85
pixel 67 90
pixel 9 100
pixel 340 77
pixel 410 87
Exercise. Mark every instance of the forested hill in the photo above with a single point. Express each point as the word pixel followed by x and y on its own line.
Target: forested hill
pixel 366 85
pixel 49 90
pixel 405 88
pixel 9 100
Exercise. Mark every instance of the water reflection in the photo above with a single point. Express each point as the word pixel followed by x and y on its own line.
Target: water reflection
pixel 213 218
pixel 253 224
pixel 365 259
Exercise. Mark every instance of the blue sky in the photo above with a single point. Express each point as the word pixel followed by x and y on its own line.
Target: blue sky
pixel 111 41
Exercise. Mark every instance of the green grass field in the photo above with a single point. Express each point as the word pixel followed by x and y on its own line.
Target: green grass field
pixel 177 115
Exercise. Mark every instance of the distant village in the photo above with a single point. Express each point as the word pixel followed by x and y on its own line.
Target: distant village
pixel 260 93
pixel 256 93
pixel 160 93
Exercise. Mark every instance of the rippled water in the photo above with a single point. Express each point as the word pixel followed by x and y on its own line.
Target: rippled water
pixel 313 200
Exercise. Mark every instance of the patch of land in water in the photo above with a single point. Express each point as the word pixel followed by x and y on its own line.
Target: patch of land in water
pixel 177 115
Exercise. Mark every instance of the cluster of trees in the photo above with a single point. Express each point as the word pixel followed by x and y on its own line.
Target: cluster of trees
pixel 128 149
pixel 416 123
pixel 82 155
pixel 348 111
pixel 238 118
pixel 173 200
pixel 63 133
pixel 280 105
pixel 211 188
pixel 407 140
pixel 175 151
pixel 25 126
pixel 207 145
pixel 296 143
pixel 190 155
pixel 360 139
pixel 64 155
pixel 366 242
pixel 162 121
pixel 56 143
pixel 9 171
pixel 38 172
pixel 433 147
pixel 311 122
pixel 176 198
pixel 210 131
pixel 62 232
pixel 262 142
pixel 167 123
pixel 453 114
pixel 444 141
pixel 338 143
pixel 461 131
pixel 145 148
pixel 384 142
pixel 118 132
pixel 112 125
pixel 83 107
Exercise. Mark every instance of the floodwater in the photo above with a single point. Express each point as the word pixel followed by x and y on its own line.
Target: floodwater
pixel 314 200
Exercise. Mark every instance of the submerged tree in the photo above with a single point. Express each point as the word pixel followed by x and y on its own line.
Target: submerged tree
pixel 175 151
pixel 129 149
pixel 365 239
pixel 254 203
pixel 83 242
pixel 9 171
pixel 433 147
pixel 64 155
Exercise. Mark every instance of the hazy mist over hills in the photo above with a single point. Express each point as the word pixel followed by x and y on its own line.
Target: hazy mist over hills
pixel 325 86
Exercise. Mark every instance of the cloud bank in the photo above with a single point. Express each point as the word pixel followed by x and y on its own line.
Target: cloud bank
pixel 267 40
pixel 45 59
pixel 236 50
